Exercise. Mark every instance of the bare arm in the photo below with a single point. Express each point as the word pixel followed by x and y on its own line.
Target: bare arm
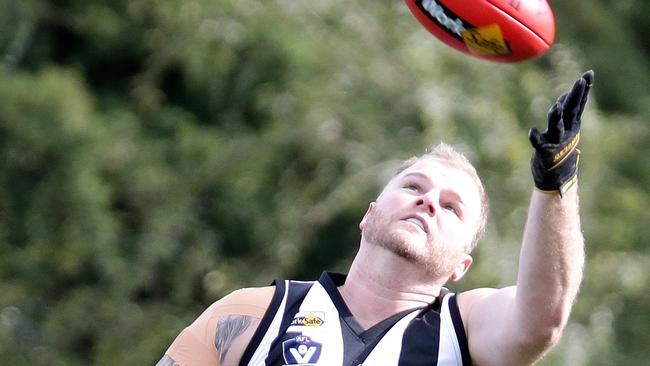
pixel 517 325
pixel 221 334
pixel 551 264
pixel 234 332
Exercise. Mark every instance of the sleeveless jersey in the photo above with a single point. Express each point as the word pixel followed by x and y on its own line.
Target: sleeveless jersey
pixel 309 324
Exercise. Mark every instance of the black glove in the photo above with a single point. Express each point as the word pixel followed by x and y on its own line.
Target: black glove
pixel 555 161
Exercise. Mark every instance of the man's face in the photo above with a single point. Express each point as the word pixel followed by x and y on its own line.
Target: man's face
pixel 427 214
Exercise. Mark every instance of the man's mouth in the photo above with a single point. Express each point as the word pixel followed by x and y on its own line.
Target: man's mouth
pixel 417 223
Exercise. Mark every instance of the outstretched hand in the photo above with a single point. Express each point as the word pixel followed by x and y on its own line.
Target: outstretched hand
pixel 555 161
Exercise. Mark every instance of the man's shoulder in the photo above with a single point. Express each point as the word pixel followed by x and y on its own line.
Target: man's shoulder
pixel 479 309
pixel 250 301
pixel 222 332
pixel 243 293
pixel 467 300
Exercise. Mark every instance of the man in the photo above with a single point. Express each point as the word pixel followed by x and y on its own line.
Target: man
pixel 392 308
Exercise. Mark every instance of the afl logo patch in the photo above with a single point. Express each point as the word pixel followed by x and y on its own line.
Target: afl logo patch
pixel 301 350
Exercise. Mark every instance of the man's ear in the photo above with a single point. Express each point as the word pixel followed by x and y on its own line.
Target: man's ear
pixel 462 267
pixel 362 224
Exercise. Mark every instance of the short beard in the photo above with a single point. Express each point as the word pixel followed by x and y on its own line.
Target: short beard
pixel 435 258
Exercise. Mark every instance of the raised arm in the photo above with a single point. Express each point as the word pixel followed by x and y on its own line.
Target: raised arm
pixel 516 325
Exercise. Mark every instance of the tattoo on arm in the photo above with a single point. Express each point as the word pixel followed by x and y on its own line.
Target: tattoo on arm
pixel 167 360
pixel 228 328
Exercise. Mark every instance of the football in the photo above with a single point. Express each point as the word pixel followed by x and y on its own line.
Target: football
pixel 495 30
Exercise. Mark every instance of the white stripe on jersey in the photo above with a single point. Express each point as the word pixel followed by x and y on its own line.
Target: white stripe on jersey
pixel 328 333
pixel 449 349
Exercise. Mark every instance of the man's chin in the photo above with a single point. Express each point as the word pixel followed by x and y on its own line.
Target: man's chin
pixel 409 236
pixel 405 249
pixel 434 266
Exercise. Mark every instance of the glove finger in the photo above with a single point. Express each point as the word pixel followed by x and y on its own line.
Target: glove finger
pixel 535 138
pixel 588 76
pixel 571 105
pixel 555 128
pixel 558 129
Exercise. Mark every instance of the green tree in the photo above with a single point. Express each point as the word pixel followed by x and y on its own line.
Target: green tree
pixel 153 153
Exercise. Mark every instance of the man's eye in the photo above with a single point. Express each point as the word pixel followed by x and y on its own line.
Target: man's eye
pixel 451 208
pixel 412 187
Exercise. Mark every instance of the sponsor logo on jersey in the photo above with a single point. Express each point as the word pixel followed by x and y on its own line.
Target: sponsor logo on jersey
pixel 301 350
pixel 486 40
pixel 308 319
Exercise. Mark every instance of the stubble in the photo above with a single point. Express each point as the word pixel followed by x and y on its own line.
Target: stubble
pixel 432 255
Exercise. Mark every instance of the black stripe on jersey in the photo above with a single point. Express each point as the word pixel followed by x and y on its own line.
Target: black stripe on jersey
pixel 295 296
pixel 265 323
pixel 460 330
pixel 420 343
pixel 330 282
pixel 372 337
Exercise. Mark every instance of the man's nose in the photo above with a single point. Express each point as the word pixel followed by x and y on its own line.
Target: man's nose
pixel 427 203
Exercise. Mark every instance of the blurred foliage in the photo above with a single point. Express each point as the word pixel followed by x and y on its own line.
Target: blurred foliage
pixel 158 154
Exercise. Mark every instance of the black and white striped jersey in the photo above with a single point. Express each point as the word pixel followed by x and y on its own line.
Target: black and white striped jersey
pixel 308 323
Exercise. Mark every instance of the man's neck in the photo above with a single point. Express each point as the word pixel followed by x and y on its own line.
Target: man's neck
pixel 380 284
